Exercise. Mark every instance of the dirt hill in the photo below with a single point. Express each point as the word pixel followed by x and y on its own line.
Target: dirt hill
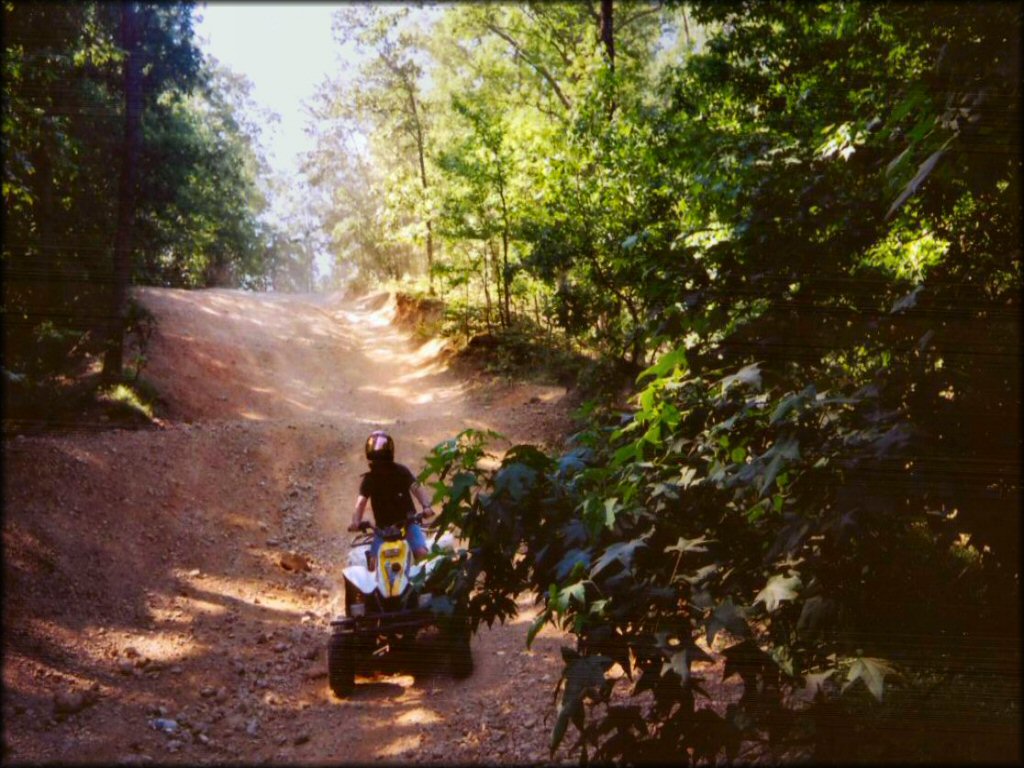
pixel 184 576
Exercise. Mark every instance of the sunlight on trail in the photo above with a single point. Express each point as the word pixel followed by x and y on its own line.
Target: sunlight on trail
pixel 434 395
pixel 418 716
pixel 400 746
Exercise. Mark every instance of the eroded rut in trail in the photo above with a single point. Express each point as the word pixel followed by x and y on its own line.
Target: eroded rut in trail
pixel 168 591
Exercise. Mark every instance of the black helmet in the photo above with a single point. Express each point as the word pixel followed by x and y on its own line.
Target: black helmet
pixel 380 446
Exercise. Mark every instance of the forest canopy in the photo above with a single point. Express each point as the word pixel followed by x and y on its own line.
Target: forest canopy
pixel 198 197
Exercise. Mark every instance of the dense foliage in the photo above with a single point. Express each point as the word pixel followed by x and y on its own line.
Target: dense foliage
pixel 800 231
pixel 200 193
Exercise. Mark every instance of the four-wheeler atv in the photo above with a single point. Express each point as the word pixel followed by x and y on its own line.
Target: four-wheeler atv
pixel 384 609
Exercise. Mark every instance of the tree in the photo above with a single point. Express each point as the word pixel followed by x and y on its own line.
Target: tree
pixel 78 232
pixel 799 243
pixel 389 94
pixel 126 196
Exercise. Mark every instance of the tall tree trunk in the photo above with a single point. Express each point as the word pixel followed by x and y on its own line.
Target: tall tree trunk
pixel 505 275
pixel 504 247
pixel 423 181
pixel 608 39
pixel 410 91
pixel 607 32
pixel 502 302
pixel 113 362
pixel 487 292
pixel 430 257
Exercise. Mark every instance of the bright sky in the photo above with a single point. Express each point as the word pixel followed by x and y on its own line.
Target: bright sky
pixel 285 49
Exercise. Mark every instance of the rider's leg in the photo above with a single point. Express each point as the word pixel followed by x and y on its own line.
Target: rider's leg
pixel 371 555
pixel 417 540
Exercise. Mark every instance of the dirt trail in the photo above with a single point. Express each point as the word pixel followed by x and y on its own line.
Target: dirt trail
pixel 143 569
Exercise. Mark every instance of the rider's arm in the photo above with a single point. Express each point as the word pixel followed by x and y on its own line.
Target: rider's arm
pixel 424 498
pixel 357 518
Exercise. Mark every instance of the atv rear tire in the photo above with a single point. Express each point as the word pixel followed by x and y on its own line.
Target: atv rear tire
pixel 460 651
pixel 341 664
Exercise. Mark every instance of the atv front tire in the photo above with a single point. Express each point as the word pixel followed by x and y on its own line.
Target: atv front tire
pixel 341 664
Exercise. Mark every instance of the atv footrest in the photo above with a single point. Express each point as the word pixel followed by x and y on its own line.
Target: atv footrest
pixel 391 621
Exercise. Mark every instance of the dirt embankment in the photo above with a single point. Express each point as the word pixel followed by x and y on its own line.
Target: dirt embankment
pixel 167 591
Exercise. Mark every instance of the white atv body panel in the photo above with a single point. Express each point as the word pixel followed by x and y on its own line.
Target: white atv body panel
pixel 357 555
pixel 366 581
pixel 360 576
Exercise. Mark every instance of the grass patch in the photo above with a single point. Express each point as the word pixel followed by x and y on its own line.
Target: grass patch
pixel 127 397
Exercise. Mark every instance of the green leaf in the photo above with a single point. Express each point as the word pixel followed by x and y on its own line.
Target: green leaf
pixel 784 449
pixel 815 616
pixel 681 661
pixel 689 545
pixel 783 658
pixel 872 672
pixel 670 415
pixel 745 659
pixel 787 404
pixel 923 172
pixel 535 626
pixel 572 558
pixel 814 682
pixel 575 591
pixel 647 401
pixel 582 675
pixel 778 589
pixel 700 575
pixel 622 552
pixel 624 454
pixel 686 477
pixel 515 479
pixel 462 485
pixel 728 617
pixel 908 301
pixel 749 375
pixel 612 507
pixel 667 362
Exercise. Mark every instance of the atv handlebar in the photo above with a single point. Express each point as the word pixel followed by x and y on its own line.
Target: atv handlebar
pixel 366 527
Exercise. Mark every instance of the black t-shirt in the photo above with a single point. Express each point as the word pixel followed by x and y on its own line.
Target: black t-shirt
pixel 387 486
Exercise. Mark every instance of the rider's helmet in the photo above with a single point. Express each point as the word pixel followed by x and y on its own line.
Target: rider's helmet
pixel 380 446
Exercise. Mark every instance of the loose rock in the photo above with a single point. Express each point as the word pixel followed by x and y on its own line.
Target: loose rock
pixel 292 561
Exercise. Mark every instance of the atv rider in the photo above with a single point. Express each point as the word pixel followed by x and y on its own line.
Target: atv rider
pixel 389 487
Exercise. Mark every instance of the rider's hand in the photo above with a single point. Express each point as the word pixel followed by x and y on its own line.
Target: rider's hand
pixel 427 512
pixel 353 527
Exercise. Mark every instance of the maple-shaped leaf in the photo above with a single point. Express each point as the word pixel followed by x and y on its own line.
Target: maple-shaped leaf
pixel 516 479
pixel 582 675
pixel 622 552
pixel 872 672
pixel 690 545
pixel 680 662
pixel 749 375
pixel 778 589
pixel 729 617
pixel 908 301
pixel 814 682
pixel 745 659
pixel 784 450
